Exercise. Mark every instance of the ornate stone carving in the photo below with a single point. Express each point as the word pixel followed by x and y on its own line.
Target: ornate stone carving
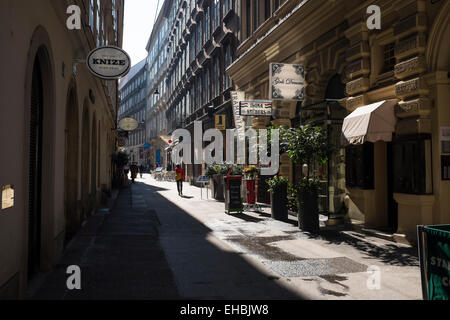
pixel 413 87
pixel 410 67
pixel 354 102
pixel 411 108
pixel 357 86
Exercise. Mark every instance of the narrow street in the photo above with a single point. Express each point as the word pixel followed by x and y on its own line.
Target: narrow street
pixel 154 244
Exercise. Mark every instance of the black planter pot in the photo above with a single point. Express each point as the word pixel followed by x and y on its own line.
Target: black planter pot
pixel 308 211
pixel 218 187
pixel 278 204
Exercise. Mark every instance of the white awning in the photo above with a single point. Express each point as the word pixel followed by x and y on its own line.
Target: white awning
pixel 374 122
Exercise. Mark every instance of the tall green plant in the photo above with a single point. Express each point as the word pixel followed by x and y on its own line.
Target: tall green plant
pixel 305 145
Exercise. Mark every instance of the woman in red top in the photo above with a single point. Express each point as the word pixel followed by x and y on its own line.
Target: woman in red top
pixel 180 178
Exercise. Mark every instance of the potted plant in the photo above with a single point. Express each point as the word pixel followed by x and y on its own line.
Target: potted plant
pixel 211 172
pixel 307 145
pixel 250 172
pixel 278 188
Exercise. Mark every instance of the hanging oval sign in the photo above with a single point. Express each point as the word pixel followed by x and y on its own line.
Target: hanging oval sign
pixel 109 62
pixel 128 124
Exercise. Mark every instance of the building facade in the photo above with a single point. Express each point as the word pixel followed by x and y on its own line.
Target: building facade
pixel 157 91
pixel 133 94
pixel 393 184
pixel 55 120
pixel 201 45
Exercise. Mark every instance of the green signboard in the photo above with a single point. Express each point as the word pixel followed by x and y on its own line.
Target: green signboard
pixel 434 250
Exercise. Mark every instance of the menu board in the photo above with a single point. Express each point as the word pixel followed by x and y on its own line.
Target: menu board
pixel 235 200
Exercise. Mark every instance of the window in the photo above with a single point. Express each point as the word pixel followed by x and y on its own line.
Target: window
pixel 91 14
pixel 228 61
pixel 216 13
pixel 207 86
pixel 248 16
pixel 199 35
pixel 216 73
pixel 267 9
pixel 277 4
pixel 412 166
pixel 207 24
pixel 359 166
pixel 226 6
pixel 255 15
pixel 389 57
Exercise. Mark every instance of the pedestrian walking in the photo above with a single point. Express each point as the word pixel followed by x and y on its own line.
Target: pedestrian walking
pixel 180 176
pixel 141 170
pixel 134 171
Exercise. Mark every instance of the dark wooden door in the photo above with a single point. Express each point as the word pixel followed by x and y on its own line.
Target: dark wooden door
pixel 35 172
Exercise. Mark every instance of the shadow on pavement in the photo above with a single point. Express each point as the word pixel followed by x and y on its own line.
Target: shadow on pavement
pixel 203 268
pixel 147 248
pixel 390 254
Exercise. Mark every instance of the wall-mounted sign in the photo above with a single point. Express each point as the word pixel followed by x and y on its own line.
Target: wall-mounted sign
pixel 7 197
pixel 256 108
pixel 109 62
pixel 287 81
pixel 128 124
pixel 121 142
pixel 239 122
pixel 220 122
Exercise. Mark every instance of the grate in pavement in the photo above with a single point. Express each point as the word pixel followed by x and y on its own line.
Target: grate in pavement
pixel 315 267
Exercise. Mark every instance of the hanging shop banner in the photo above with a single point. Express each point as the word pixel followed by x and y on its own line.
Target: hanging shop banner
pixel 239 122
pixel 109 62
pixel 287 81
pixel 256 108
pixel 128 124
pixel 434 246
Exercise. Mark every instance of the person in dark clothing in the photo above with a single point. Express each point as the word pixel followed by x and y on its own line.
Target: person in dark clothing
pixel 134 171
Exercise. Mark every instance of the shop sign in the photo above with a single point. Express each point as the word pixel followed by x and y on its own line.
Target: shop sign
pixel 236 97
pixel 220 122
pixel 128 124
pixel 287 81
pixel 108 62
pixel 256 108
pixel 434 254
pixel 7 197
pixel 445 139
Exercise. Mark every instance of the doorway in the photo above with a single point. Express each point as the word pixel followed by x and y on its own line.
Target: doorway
pixel 35 171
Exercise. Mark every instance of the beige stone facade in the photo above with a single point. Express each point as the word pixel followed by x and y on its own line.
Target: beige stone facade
pixel 57 126
pixel 408 59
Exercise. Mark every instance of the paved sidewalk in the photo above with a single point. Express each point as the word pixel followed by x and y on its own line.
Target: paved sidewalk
pixel 119 254
pixel 155 244
pixel 331 265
